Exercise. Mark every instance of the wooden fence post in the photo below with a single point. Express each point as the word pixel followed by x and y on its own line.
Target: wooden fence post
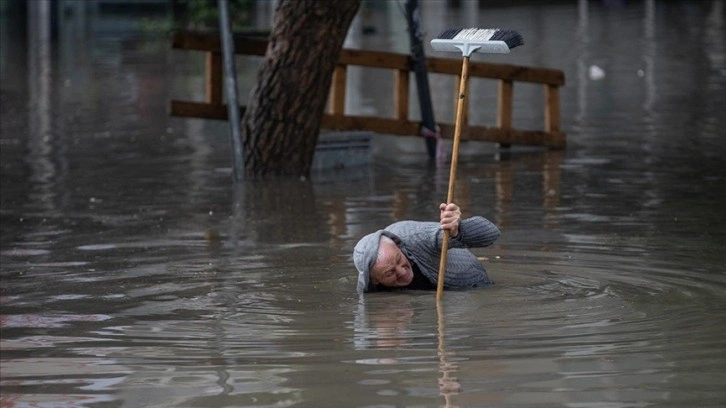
pixel 552 108
pixel 400 100
pixel 337 91
pixel 213 78
pixel 504 107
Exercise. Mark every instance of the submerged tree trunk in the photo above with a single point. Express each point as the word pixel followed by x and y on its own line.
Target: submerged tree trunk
pixel 281 124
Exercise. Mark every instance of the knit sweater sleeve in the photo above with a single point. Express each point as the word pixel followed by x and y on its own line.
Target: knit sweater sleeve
pixel 417 233
pixel 474 232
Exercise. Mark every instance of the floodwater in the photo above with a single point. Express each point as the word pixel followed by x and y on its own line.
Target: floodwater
pixel 135 274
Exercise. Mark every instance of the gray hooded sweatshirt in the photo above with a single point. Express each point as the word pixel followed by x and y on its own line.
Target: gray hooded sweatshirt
pixel 420 242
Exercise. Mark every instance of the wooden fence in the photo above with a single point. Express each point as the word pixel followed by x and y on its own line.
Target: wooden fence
pixel 551 136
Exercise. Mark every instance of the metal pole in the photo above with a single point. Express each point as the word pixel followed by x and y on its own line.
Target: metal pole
pixel 230 87
pixel 428 130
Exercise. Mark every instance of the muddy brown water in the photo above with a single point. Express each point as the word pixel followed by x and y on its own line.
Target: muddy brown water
pixel 135 274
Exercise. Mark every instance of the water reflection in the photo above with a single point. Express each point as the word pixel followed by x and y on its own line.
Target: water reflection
pixel 386 324
pixel 133 274
pixel 46 158
pixel 448 384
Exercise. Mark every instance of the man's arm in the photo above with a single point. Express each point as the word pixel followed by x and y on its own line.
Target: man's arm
pixel 475 232
pixel 472 232
pixel 479 232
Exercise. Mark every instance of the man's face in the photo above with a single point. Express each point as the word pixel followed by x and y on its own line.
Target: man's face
pixel 392 268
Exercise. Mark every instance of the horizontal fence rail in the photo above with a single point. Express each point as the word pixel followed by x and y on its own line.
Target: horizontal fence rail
pixel 551 136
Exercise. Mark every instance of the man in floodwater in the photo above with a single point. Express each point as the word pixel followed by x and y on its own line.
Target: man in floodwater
pixel 406 254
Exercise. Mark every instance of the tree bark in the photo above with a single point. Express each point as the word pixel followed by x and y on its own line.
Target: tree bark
pixel 281 124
